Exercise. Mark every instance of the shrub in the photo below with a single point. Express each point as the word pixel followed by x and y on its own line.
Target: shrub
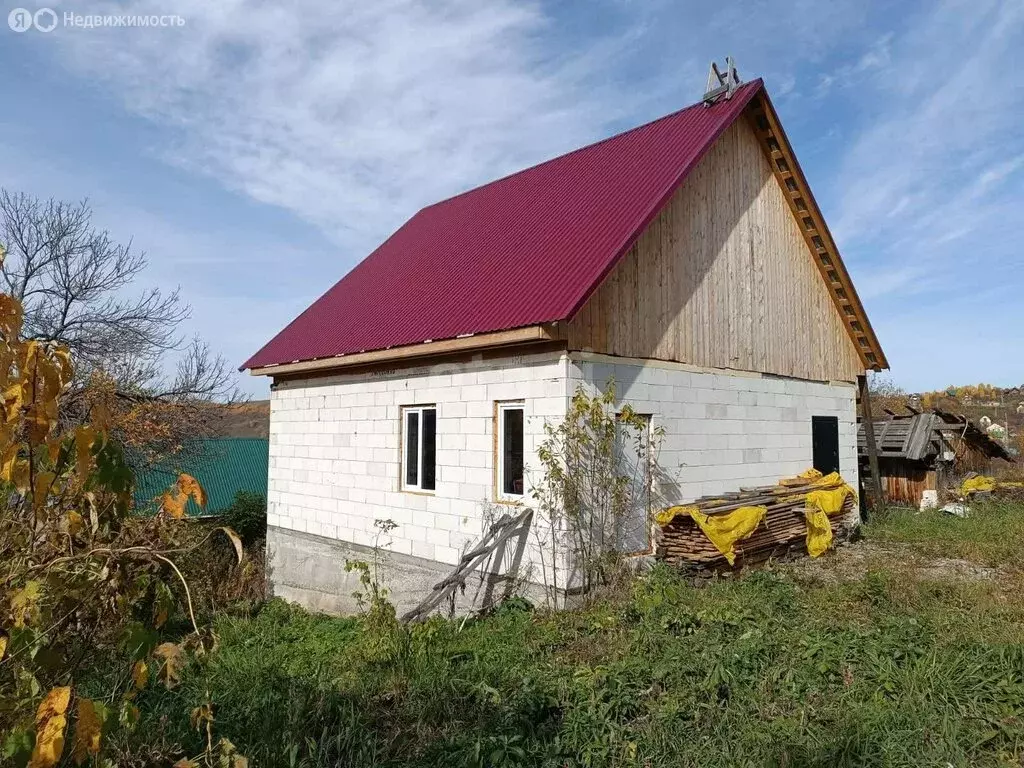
pixel 597 468
pixel 83 584
pixel 247 516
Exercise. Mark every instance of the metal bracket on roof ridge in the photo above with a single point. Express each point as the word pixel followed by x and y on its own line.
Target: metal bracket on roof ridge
pixel 721 83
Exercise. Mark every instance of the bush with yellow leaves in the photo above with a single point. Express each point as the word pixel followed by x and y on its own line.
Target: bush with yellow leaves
pixel 79 576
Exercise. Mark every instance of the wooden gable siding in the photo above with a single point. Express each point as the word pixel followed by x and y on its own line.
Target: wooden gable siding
pixel 722 278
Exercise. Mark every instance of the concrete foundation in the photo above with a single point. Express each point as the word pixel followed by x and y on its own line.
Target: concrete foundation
pixel 310 570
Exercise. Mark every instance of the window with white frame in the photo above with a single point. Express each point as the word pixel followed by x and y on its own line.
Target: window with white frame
pixel 419 444
pixel 510 459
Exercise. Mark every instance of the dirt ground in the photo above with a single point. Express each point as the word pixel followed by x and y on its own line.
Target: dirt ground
pixel 851 561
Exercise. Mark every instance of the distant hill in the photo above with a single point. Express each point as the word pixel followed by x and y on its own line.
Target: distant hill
pixel 250 419
pixel 1002 405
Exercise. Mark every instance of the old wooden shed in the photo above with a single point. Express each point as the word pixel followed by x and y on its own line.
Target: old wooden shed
pixel 920 452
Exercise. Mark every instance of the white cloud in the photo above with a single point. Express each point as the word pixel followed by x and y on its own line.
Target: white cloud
pixel 354 114
pixel 997 172
pixel 876 57
pixel 944 108
pixel 911 278
pixel 931 187
pixel 351 115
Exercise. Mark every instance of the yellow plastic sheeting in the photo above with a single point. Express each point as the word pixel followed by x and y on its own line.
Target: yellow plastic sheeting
pixel 819 531
pixel 812 477
pixel 979 484
pixel 722 530
pixel 726 529
pixel 801 479
pixel 829 501
pixel 821 504
pixel 833 478
pixel 666 516
pixel 984 484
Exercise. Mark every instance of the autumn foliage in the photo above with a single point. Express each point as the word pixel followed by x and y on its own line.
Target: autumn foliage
pixel 79 576
pixel 885 394
pixel 152 429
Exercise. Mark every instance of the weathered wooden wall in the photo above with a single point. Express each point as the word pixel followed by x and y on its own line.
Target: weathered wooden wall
pixel 970 458
pixel 722 278
pixel 904 482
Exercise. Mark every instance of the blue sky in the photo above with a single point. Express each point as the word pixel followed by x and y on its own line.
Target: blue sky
pixel 258 152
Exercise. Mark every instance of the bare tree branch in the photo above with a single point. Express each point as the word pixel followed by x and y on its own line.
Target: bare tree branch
pixel 76 285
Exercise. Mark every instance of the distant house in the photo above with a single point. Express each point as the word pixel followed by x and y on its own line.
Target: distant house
pixel 921 452
pixel 996 431
pixel 686 259
pixel 222 466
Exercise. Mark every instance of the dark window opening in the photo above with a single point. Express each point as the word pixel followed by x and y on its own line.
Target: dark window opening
pixel 825 443
pixel 429 446
pixel 511 475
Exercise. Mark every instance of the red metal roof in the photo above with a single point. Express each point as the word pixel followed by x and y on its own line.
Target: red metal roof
pixel 523 250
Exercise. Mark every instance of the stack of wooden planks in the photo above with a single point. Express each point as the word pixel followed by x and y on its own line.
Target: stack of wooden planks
pixel 784 527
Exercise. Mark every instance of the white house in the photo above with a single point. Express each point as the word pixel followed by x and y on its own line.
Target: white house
pixel 686 259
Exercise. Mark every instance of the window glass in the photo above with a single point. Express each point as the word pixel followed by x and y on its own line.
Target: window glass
pixel 412 441
pixel 419 447
pixel 511 474
pixel 427 449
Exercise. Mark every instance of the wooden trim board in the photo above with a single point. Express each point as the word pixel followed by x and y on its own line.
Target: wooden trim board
pixel 426 349
pixel 786 169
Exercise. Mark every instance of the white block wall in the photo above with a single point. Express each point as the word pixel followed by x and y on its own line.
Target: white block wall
pixel 335 449
pixel 725 430
pixel 335 464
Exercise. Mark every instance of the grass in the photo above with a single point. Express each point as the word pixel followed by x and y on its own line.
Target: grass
pixel 893 663
pixel 993 533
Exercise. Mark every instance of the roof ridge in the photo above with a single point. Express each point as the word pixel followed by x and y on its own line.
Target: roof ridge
pixel 577 150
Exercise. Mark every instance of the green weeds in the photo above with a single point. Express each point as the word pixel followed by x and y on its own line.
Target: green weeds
pixel 992 534
pixel 898 665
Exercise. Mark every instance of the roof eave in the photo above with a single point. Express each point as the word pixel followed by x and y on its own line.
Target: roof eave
pixel 469 343
pixel 786 168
